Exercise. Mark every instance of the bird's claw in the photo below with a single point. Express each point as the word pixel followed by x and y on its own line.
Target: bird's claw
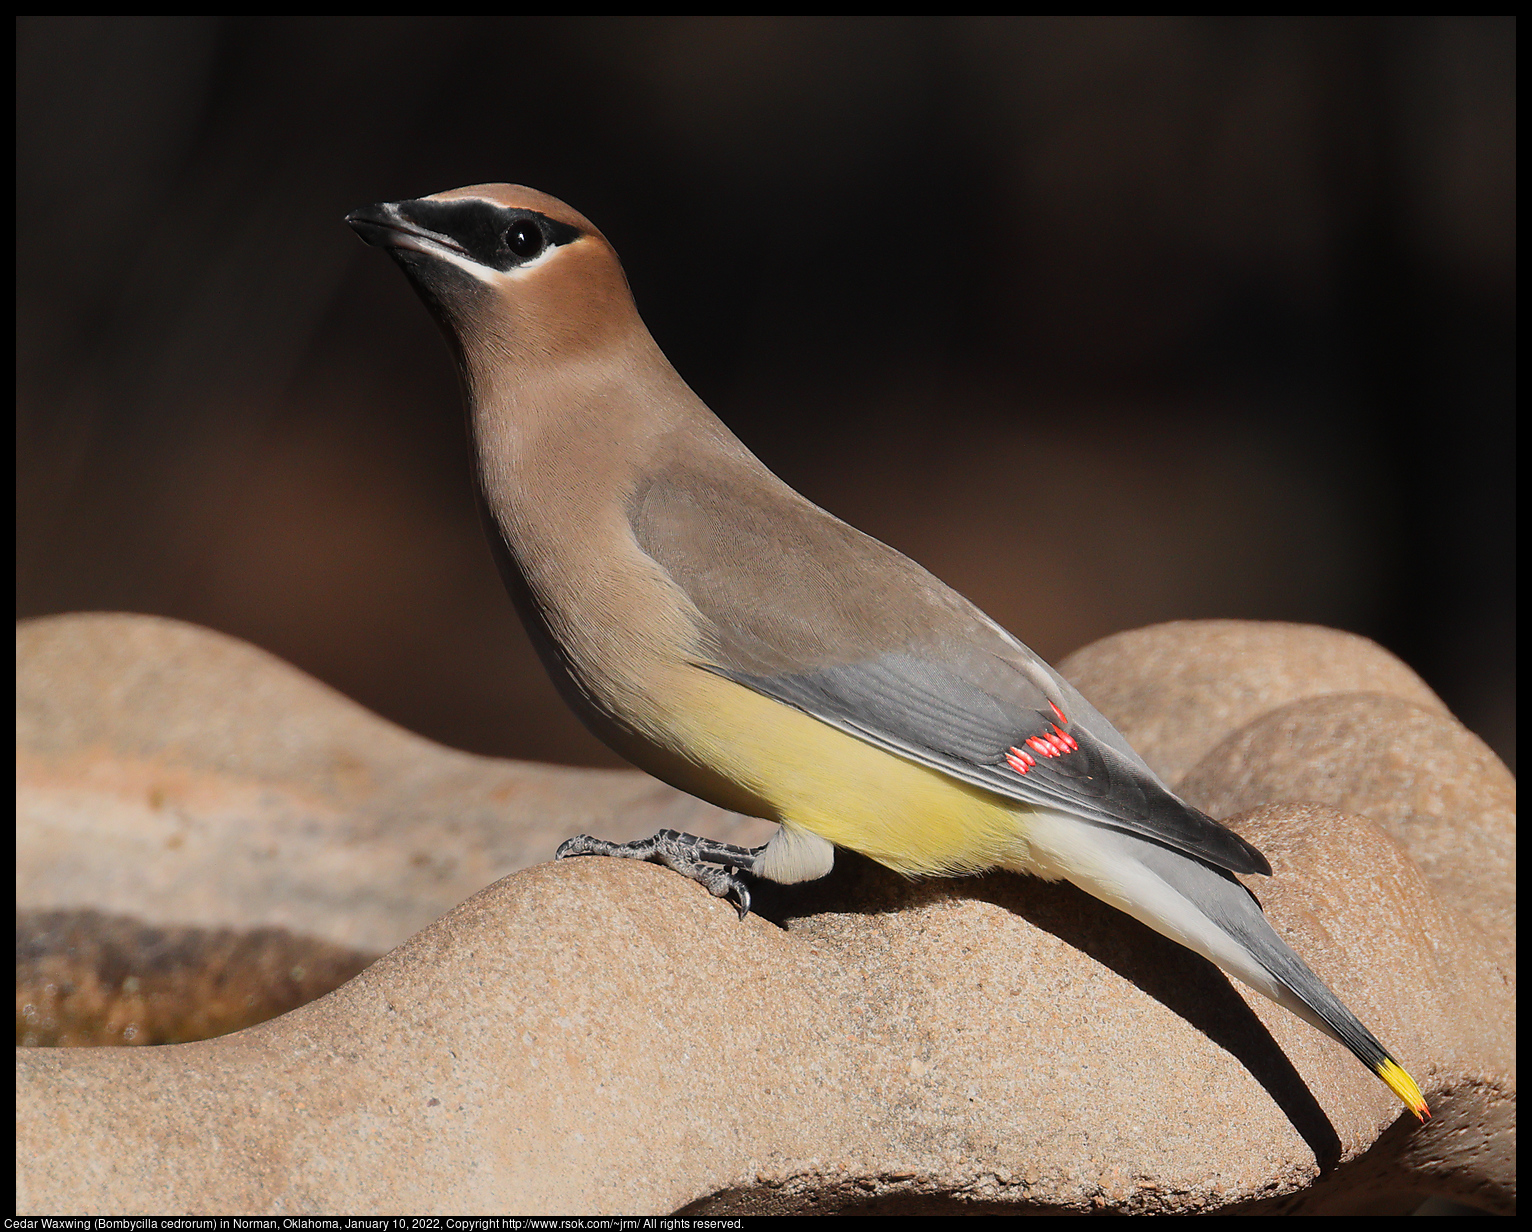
pixel 716 866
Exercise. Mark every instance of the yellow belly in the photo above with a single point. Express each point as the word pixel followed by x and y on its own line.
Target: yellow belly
pixel 809 775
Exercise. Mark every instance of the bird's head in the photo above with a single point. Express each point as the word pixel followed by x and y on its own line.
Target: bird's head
pixel 510 273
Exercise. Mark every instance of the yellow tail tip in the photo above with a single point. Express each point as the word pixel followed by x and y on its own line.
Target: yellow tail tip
pixel 1402 1085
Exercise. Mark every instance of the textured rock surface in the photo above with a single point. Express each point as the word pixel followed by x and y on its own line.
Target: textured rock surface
pixel 1419 773
pixel 175 776
pixel 1176 690
pixel 602 1035
pixel 84 978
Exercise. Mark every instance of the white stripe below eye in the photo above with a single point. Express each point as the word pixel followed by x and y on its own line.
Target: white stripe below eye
pixel 534 262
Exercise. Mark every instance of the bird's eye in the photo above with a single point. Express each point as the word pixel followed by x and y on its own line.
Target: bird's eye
pixel 524 239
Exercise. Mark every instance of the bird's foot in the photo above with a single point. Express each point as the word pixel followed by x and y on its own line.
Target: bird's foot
pixel 713 865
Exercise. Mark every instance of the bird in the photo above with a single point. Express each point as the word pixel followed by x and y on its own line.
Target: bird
pixel 722 632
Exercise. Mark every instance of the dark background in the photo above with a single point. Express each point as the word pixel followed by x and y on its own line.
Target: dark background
pixel 1105 321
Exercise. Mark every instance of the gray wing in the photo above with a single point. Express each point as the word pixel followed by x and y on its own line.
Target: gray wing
pixel 931 714
pixel 803 608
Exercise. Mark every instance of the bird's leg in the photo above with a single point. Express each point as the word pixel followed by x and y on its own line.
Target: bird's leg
pixel 691 855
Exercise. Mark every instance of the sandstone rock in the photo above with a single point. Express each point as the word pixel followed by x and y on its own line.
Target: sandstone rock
pixel 1425 778
pixel 1175 690
pixel 178 777
pixel 84 978
pixel 604 1036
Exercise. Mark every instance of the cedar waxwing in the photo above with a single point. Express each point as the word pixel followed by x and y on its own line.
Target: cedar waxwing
pixel 730 637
